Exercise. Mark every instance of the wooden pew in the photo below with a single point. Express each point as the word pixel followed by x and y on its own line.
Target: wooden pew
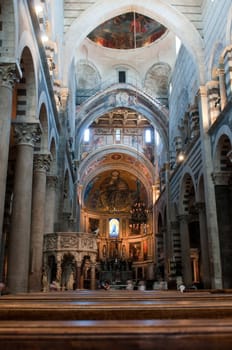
pixel 111 320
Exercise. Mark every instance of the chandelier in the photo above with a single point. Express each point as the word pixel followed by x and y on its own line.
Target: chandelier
pixel 138 212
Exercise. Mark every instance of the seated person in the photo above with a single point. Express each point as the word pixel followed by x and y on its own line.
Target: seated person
pixel 129 285
pixel 105 285
pixel 53 286
pixel 141 285
pixel 2 288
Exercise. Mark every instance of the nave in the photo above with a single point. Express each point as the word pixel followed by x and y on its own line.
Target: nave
pixel 117 319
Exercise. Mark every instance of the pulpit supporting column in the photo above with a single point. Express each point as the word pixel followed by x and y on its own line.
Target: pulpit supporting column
pixel 78 275
pixel 93 277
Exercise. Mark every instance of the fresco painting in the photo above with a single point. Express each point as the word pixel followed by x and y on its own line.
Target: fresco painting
pixel 127 31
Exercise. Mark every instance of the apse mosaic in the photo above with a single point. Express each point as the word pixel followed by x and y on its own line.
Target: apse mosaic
pixel 127 31
pixel 113 191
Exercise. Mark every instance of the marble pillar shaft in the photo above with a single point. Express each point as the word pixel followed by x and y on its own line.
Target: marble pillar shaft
pixel 78 275
pixel 204 246
pixel 21 221
pixel 41 165
pixel 211 210
pixel 26 134
pixel 51 210
pixel 185 250
pixel 7 78
pixel 93 277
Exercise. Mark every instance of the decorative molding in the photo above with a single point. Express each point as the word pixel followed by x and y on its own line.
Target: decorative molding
pixel 8 75
pixel 70 241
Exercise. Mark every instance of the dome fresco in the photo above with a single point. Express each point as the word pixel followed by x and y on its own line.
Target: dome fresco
pixel 127 31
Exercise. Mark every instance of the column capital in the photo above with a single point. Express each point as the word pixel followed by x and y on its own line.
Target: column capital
pixel 202 91
pixel 52 181
pixel 8 74
pixel 27 133
pixel 174 225
pixel 183 217
pixel 220 71
pixel 221 178
pixel 200 206
pixel 42 161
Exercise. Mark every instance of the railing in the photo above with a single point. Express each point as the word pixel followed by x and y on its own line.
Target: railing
pixel 83 94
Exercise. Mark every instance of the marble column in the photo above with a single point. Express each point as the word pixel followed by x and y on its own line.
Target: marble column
pixel 205 266
pixel 78 274
pixel 58 272
pixel 41 166
pixel 168 237
pixel 211 210
pixel 185 250
pixel 7 79
pixel 93 276
pixel 50 205
pixel 26 134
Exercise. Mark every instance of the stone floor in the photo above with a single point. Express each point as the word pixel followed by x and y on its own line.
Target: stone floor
pixel 121 320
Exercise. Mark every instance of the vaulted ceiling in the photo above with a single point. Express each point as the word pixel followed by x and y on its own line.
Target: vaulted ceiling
pixel 189 8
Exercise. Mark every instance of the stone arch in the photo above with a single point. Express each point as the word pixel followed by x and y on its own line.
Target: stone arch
pixel 68 271
pixel 200 193
pixel 129 163
pixel 88 80
pixel 116 97
pixel 177 127
pixel 163 12
pixel 221 159
pixel 51 265
pixel 53 166
pixel 187 194
pixel 85 68
pixel 157 79
pixel 214 61
pixel 190 231
pixel 26 88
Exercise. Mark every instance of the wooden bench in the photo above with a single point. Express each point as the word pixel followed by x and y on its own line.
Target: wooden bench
pixel 116 319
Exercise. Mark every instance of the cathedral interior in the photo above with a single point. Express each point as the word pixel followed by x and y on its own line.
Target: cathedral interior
pixel 116 145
